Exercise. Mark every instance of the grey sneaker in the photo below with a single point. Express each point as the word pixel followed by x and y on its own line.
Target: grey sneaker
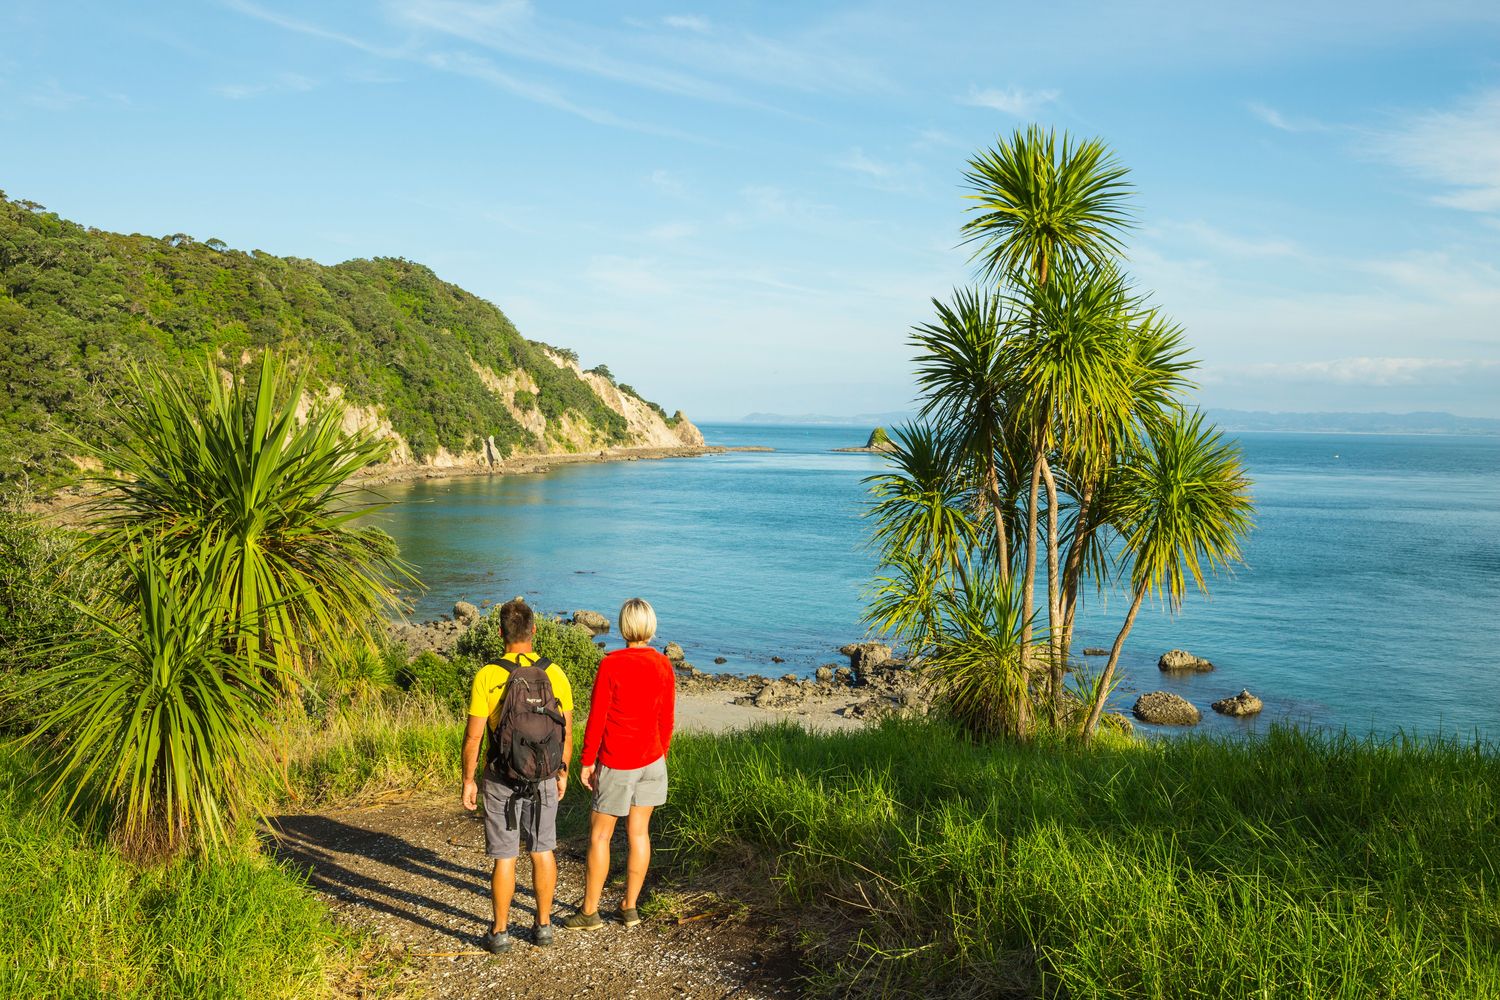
pixel 542 935
pixel 581 921
pixel 630 917
pixel 497 942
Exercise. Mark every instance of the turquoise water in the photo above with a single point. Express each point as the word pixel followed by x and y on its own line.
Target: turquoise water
pixel 1369 599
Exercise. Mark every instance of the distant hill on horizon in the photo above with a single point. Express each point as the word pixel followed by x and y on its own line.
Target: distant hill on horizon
pixel 1420 422
pixel 866 420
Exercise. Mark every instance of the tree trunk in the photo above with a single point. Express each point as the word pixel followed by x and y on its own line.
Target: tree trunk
pixel 1109 668
pixel 1073 570
pixel 1028 584
pixel 992 487
pixel 1054 591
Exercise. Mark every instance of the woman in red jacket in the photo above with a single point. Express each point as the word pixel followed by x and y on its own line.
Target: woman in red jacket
pixel 625 758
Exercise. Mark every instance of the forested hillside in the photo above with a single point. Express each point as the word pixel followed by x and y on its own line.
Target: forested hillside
pixel 429 364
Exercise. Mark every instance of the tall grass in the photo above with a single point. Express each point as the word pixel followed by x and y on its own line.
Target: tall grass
pixel 81 920
pixel 1298 866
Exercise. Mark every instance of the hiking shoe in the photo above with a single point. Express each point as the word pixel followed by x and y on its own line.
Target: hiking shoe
pixel 581 921
pixel 542 935
pixel 497 942
pixel 630 917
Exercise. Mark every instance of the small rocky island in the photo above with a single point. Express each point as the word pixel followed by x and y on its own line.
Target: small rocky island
pixel 879 443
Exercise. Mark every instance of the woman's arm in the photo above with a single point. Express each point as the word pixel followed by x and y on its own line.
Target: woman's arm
pixel 666 716
pixel 599 703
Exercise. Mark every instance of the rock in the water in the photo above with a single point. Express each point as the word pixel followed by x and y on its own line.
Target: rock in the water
pixel 720 660
pixel 675 654
pixel 1243 703
pixel 824 674
pixel 1094 651
pixel 465 612
pixel 777 659
pixel 591 620
pixel 1162 708
pixel 1181 659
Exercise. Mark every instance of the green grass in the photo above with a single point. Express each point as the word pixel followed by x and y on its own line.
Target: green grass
pixel 912 861
pixel 81 921
pixel 1295 866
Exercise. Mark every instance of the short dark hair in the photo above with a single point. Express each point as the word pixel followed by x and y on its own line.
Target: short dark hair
pixel 517 621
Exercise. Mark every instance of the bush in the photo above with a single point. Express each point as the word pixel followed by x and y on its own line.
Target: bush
pixel 36 589
pixel 568 646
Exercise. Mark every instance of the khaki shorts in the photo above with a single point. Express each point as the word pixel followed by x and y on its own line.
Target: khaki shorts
pixel 615 792
pixel 536 818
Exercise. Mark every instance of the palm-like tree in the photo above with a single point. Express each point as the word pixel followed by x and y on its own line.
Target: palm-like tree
pixel 1182 508
pixel 230 550
pixel 1040 200
pixel 247 472
pixel 961 372
pixel 162 731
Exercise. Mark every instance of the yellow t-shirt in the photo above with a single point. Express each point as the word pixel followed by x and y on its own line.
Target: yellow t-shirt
pixel 489 684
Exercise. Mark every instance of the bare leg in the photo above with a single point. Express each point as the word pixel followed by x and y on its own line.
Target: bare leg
pixel 544 881
pixel 601 828
pixel 638 831
pixel 502 888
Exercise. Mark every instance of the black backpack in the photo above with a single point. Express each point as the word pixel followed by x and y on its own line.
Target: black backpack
pixel 525 735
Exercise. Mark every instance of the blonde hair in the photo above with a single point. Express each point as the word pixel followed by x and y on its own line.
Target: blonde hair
pixel 637 621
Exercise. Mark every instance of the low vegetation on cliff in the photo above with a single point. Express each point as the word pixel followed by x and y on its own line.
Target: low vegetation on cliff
pixel 436 369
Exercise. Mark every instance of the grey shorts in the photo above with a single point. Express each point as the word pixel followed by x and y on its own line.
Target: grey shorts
pixel 539 825
pixel 615 792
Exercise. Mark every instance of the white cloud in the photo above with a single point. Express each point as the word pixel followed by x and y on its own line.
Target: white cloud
pixel 1371 371
pixel 1277 120
pixel 671 232
pixel 688 22
pixel 1012 101
pixel 667 182
pixel 1458 149
pixel 284 83
pixel 1232 244
pixel 857 161
pixel 53 97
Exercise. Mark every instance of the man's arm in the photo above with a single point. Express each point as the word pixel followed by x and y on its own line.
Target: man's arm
pixel 562 778
pixel 472 735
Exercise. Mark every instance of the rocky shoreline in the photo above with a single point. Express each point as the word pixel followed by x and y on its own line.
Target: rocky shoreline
pixel 873 683
pixel 521 465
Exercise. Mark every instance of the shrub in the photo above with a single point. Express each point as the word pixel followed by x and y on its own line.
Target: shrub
pixel 568 646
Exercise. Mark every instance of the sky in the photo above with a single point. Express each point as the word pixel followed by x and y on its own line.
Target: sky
pixel 747 206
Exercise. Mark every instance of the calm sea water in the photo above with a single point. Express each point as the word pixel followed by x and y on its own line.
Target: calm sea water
pixel 1370 599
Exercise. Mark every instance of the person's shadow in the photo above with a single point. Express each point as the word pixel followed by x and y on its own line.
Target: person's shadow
pixel 325 848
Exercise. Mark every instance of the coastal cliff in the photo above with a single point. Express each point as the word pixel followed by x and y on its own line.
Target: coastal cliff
pixel 441 373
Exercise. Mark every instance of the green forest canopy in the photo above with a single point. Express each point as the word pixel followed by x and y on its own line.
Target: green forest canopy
pixel 79 305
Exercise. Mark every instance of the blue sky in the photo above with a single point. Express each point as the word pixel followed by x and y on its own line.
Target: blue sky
pixel 744 207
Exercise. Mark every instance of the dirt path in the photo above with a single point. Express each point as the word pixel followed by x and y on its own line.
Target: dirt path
pixel 414 871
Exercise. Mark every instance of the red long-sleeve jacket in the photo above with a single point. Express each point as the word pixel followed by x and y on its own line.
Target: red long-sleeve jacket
pixel 630 715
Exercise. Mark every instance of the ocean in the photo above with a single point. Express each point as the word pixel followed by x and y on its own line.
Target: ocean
pixel 1369 599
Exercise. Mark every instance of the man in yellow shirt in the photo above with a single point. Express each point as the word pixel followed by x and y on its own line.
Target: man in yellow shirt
pixel 518 627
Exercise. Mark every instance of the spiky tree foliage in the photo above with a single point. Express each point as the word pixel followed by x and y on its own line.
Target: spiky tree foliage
pixel 243 467
pixel 1040 200
pixel 230 556
pixel 160 728
pixel 1182 510
pixel 961 372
